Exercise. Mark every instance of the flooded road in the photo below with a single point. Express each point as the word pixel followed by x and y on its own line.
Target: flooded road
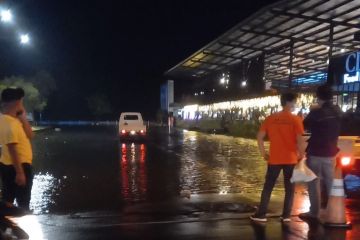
pixel 88 169
pixel 80 169
pixel 88 185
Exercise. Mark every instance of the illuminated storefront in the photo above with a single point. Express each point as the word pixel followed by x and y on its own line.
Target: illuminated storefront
pixel 244 109
pixel 284 46
pixel 344 75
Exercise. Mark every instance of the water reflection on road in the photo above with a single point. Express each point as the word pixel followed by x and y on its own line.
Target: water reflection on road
pixel 133 171
pixel 199 162
pixel 87 169
pixel 44 186
pixel 220 164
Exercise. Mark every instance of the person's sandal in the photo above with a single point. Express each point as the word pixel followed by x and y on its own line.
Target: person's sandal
pixel 258 218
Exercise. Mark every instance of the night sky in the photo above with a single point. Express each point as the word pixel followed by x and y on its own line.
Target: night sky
pixel 120 48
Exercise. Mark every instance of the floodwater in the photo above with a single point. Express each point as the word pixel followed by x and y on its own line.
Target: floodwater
pixel 82 169
pixel 88 169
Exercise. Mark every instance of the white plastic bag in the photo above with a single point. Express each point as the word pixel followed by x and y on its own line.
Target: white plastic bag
pixel 302 173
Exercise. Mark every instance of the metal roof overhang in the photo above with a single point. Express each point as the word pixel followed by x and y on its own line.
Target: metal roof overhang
pixel 296 37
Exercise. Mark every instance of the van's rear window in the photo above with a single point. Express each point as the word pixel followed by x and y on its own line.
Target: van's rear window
pixel 131 117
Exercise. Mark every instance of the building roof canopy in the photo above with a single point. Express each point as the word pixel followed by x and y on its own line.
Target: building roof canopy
pixel 296 37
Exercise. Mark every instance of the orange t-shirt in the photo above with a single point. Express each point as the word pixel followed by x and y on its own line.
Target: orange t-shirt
pixel 282 129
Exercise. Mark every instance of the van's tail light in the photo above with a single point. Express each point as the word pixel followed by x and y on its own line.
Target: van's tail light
pixel 123 131
pixel 345 161
pixel 142 131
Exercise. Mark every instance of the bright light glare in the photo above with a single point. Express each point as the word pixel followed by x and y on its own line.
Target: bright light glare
pixel 24 39
pixel 31 226
pixel 6 16
pixel 345 161
pixel 243 83
pixel 222 80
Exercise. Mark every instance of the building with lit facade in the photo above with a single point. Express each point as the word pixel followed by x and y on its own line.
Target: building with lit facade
pixel 289 45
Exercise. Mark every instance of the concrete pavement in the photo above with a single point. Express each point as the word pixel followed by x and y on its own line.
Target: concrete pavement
pixel 204 216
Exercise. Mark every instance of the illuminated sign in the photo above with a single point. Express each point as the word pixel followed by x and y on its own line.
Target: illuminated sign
pixel 350 79
pixel 352 67
pixel 352 62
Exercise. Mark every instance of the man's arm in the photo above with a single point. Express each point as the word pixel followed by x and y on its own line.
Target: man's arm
pixel 310 118
pixel 260 140
pixel 26 125
pixel 20 175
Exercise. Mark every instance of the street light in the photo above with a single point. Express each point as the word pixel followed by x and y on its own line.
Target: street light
pixel 24 38
pixel 6 15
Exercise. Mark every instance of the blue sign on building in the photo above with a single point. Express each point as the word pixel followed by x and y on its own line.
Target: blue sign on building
pixel 344 72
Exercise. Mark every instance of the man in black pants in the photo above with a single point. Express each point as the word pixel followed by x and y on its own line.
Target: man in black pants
pixel 16 157
pixel 286 147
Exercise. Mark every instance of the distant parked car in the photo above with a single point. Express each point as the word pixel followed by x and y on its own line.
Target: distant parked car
pixel 131 126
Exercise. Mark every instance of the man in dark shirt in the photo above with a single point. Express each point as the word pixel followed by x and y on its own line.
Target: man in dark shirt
pixel 324 124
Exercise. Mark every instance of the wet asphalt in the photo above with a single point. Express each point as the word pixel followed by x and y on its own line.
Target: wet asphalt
pixel 89 185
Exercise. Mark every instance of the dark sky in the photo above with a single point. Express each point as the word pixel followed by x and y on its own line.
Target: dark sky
pixel 120 48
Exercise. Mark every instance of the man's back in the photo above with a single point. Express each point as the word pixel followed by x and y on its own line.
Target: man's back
pixel 324 124
pixel 282 129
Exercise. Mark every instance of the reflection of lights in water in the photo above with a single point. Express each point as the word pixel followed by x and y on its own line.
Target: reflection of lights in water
pixel 223 179
pixel 223 192
pixel 133 152
pixel 31 226
pixel 189 165
pixel 142 170
pixel 190 136
pixel 44 185
pixel 192 139
pixel 134 175
pixel 301 200
pixel 123 153
pixel 142 153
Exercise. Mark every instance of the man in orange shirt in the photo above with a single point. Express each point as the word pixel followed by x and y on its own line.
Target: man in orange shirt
pixel 284 131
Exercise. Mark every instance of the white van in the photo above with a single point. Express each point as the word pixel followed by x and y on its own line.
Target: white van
pixel 131 125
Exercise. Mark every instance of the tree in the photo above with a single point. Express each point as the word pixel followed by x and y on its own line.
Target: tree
pixel 99 104
pixel 44 82
pixel 33 100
